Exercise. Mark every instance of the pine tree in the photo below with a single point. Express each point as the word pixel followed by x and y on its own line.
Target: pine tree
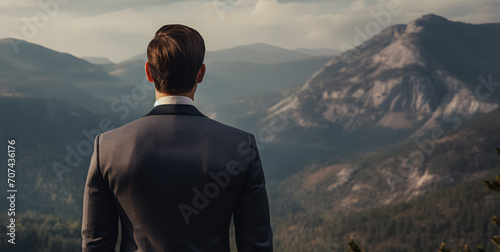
pixel 494 185
pixel 353 247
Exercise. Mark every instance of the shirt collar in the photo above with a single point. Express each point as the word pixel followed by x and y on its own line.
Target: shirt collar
pixel 174 99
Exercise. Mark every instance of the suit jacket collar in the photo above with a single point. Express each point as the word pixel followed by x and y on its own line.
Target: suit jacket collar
pixel 175 109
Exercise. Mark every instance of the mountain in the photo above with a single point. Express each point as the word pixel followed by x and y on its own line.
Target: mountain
pixel 409 79
pixel 37 71
pixel 47 131
pixel 255 53
pixel 98 60
pixel 142 57
pixel 228 77
pixel 400 173
pixel 318 51
pixel 411 120
pixel 241 63
pixel 391 199
pixel 227 83
pixel 52 101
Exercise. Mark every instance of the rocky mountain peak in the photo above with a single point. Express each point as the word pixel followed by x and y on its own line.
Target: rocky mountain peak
pixel 429 20
pixel 403 78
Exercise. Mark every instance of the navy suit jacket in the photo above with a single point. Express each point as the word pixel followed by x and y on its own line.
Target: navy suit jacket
pixel 173 179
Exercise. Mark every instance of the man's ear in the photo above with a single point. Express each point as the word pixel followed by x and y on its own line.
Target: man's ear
pixel 201 73
pixel 148 73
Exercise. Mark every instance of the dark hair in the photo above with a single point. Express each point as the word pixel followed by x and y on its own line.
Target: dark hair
pixel 175 56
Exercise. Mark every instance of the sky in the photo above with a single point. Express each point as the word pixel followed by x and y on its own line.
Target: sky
pixel 120 29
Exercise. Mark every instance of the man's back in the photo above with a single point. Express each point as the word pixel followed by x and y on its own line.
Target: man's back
pixel 175 177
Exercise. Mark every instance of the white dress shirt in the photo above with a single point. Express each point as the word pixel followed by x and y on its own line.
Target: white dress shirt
pixel 174 99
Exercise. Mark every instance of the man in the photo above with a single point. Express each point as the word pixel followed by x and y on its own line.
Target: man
pixel 175 177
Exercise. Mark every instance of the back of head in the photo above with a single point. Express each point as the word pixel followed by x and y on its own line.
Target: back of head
pixel 175 56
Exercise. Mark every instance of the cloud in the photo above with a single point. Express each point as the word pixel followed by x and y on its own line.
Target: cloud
pixel 121 29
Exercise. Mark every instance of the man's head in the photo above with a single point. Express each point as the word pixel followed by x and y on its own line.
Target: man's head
pixel 175 60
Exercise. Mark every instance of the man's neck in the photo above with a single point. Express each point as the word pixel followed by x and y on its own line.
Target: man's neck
pixel 160 95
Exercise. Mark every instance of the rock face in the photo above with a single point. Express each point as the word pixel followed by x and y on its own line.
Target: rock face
pixel 407 77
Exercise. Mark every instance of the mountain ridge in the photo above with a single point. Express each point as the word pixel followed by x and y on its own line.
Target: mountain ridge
pixel 396 80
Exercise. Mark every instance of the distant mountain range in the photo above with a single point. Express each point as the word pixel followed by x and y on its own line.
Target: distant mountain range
pixel 41 72
pixel 257 53
pixel 254 71
pixel 264 53
pixel 98 60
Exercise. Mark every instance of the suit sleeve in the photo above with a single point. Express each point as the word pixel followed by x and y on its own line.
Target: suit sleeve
pixel 100 215
pixel 251 216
